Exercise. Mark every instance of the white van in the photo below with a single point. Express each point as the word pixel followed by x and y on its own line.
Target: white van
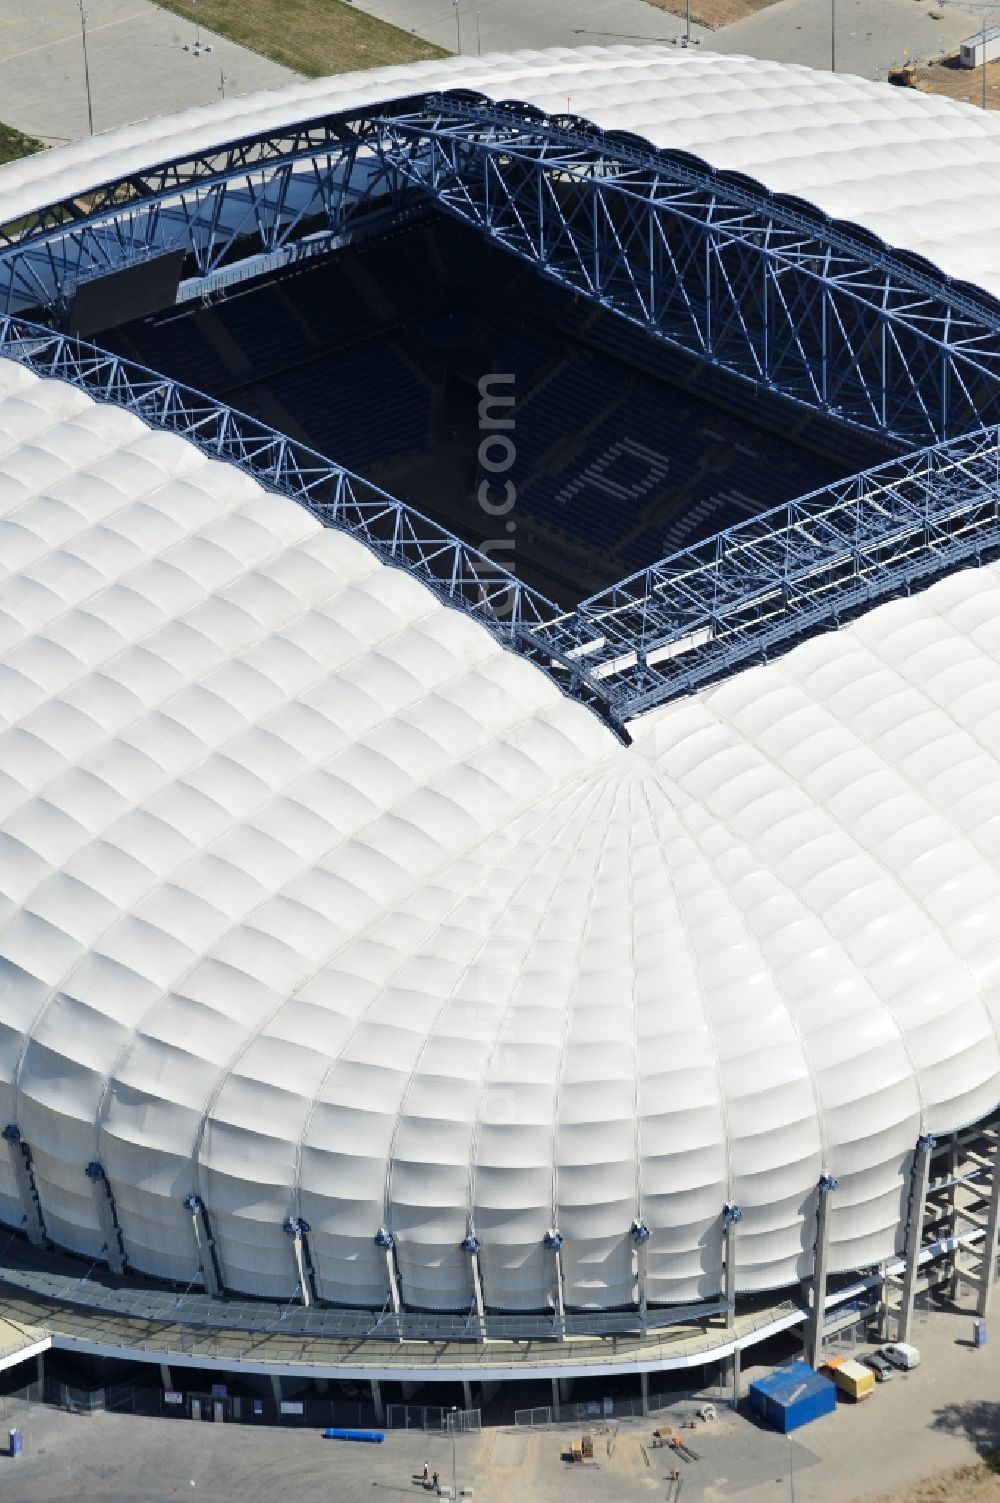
pixel 901 1354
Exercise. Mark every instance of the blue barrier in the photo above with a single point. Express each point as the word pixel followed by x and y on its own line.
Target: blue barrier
pixel 374 1437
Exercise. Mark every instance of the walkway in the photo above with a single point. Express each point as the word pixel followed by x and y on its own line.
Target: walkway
pixel 19 1340
pixel 72 1327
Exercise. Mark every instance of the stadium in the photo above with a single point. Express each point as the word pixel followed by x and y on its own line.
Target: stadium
pixel 500 720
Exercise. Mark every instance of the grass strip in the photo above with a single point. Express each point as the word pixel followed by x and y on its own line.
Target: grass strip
pixel 314 37
pixel 14 143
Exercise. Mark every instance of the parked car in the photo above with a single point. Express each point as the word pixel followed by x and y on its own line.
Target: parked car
pixel 901 1354
pixel 852 1378
pixel 882 1369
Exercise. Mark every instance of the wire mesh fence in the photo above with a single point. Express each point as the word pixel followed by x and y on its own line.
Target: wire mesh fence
pixel 432 1417
pixel 216 1405
pixel 17 1406
pixel 533 1418
pixel 621 1407
pixel 219 1405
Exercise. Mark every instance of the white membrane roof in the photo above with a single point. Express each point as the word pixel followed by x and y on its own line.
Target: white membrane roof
pixel 315 901
pixel 919 171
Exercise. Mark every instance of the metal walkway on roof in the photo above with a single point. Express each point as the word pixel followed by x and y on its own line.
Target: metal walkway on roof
pixel 752 283
pixel 764 287
pixel 685 621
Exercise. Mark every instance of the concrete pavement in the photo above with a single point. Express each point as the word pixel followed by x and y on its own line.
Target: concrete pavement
pixel 505 25
pixel 138 66
pixel 872 35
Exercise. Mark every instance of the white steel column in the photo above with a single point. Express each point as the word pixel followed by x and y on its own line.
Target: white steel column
pixel 105 1216
pixel 471 1245
pixel 553 1241
pixel 951 1210
pixel 817 1310
pixel 20 1157
pixel 387 1242
pixel 204 1244
pixel 919 1177
pixel 990 1241
pixel 297 1229
pixel 731 1217
pixel 377 1401
pixel 639 1233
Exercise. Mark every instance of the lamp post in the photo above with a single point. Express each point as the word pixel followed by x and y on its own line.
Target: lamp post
pixel 833 36
pixel 987 9
pixel 86 67
pixel 984 61
pixel 453 1420
pixel 687 40
pixel 458 27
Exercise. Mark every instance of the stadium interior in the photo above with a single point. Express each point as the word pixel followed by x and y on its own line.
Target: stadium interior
pixel 623 451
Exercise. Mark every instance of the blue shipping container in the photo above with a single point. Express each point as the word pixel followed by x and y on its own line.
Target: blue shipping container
pixel 792 1396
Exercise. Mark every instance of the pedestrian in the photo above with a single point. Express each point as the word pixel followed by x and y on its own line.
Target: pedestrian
pixel 427 1472
pixel 434 1483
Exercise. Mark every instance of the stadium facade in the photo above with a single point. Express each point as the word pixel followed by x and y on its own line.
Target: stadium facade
pixel 378 935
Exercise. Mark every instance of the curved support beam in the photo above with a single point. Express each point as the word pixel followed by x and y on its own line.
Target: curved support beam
pixel 297 1230
pixel 821 1248
pixel 472 1246
pixel 24 1176
pixel 919 1178
pixel 387 1242
pixel 553 1242
pixel 731 1218
pixel 662 633
pixel 107 1216
pixel 639 1233
pixel 741 279
pixel 205 1248
pixel 789 302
